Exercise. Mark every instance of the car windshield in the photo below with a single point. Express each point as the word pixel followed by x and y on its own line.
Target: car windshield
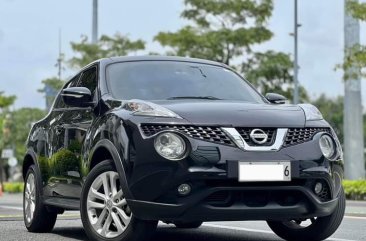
pixel 161 80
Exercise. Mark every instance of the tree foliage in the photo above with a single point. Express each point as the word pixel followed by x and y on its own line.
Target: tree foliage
pixel 357 9
pixel 226 31
pixel 52 82
pixel 107 46
pixel 18 124
pixel 51 86
pixel 271 72
pixel 22 120
pixel 355 57
pixel 6 101
pixel 221 30
pixel 332 110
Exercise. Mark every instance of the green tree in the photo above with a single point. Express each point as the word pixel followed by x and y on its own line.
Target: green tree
pixel 86 53
pixel 355 57
pixel 221 30
pixel 271 72
pixel 53 82
pixel 51 85
pixel 22 120
pixel 226 31
pixel 107 46
pixel 332 110
pixel 6 101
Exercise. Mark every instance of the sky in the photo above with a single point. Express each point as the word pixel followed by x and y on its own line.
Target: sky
pixel 29 38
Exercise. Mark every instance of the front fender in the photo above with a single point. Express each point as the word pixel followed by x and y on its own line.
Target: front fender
pixel 107 144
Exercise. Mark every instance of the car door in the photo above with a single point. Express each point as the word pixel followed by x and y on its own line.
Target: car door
pixel 70 127
pixel 52 171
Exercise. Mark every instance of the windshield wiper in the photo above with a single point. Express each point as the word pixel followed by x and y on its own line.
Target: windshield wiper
pixel 194 97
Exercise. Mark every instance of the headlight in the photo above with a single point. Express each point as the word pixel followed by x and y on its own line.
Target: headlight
pixel 311 112
pixel 144 108
pixel 327 147
pixel 170 146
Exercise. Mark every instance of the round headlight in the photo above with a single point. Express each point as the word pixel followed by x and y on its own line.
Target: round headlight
pixel 170 146
pixel 327 147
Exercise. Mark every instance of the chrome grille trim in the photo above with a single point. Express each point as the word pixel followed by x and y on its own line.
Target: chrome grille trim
pixel 242 144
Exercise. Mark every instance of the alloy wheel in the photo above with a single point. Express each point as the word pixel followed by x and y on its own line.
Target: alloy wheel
pixel 30 198
pixel 108 212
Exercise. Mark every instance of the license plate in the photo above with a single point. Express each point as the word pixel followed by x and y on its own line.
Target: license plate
pixel 264 171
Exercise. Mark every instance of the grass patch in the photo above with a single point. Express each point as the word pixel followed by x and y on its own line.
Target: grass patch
pixel 13 187
pixel 355 189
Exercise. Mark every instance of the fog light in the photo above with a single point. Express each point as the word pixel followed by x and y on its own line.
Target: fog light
pixel 184 189
pixel 318 188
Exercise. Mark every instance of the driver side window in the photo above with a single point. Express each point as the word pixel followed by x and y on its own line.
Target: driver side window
pixel 89 80
pixel 59 104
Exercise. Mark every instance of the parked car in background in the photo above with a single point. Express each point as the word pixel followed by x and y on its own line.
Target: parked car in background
pixel 131 141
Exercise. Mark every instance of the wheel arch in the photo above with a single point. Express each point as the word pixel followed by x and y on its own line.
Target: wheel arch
pixel 100 154
pixel 30 159
pixel 103 150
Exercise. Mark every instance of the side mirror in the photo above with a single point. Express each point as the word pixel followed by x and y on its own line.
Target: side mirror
pixel 276 98
pixel 77 97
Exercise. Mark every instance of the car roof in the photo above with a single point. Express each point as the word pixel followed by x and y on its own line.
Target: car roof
pixel 158 58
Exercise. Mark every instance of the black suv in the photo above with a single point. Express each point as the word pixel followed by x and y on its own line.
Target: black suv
pixel 130 141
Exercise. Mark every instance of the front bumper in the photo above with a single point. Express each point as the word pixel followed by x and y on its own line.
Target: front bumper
pixel 217 195
pixel 254 208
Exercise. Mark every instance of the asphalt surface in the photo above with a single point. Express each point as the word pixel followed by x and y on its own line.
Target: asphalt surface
pixel 69 227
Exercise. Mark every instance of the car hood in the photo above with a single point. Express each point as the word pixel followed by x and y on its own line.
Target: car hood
pixel 233 113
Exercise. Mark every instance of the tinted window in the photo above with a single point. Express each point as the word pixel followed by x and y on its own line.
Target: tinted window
pixel 89 80
pixel 158 80
pixel 59 101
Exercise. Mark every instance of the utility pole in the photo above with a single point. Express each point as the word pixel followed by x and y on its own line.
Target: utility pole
pixel 60 55
pixel 49 90
pixel 353 119
pixel 95 22
pixel 296 66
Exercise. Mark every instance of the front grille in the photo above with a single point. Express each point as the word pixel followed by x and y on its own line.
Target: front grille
pixel 205 133
pixel 300 135
pixel 218 197
pixel 245 133
pixel 294 136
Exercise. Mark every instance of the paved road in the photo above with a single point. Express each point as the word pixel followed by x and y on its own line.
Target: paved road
pixel 68 227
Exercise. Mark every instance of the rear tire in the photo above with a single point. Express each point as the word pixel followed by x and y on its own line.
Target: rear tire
pixel 320 229
pixel 37 218
pixel 103 201
pixel 191 225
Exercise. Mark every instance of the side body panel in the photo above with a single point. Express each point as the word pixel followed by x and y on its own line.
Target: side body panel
pixel 56 143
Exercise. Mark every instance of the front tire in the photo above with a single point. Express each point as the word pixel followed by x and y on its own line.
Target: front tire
pixel 105 213
pixel 37 218
pixel 320 228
